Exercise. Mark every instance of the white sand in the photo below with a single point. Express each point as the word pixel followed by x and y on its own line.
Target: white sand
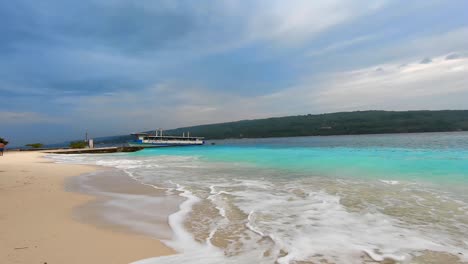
pixel 36 224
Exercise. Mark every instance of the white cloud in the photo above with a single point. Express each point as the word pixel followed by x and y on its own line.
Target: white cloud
pixel 416 47
pixel 343 45
pixel 165 105
pixel 441 84
pixel 298 20
pixel 275 22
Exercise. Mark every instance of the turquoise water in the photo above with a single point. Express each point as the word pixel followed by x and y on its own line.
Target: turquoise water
pixel 339 199
pixel 435 157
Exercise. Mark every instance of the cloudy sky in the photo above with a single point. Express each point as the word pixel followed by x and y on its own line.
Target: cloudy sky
pixel 114 67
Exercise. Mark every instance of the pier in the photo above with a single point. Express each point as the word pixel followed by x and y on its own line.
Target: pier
pixel 96 150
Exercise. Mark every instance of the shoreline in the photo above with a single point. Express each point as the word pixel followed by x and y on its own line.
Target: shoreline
pixel 228 215
pixel 123 203
pixel 37 223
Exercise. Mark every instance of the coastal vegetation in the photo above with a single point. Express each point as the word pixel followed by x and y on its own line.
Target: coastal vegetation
pixel 35 145
pixel 77 144
pixel 2 140
pixel 342 123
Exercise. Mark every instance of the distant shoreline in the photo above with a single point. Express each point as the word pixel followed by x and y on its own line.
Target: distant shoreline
pixel 372 122
pixel 333 124
pixel 344 135
pixel 237 138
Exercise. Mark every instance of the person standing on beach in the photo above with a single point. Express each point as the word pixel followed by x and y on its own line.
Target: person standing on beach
pixel 2 147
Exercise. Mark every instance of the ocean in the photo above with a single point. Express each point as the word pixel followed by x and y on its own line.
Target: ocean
pixel 396 198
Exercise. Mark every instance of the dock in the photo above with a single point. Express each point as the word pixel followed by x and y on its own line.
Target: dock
pixel 96 150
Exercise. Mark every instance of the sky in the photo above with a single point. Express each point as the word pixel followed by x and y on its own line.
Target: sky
pixel 116 67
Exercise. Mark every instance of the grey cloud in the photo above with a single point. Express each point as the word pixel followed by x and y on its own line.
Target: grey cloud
pixel 8 117
pixel 124 26
pixel 99 60
pixel 414 86
pixel 426 61
pixel 405 50
pixel 85 47
pixel 91 47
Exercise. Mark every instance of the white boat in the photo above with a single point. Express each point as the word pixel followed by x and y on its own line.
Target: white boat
pixel 159 140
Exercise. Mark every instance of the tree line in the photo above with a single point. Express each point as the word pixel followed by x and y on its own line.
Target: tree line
pixel 343 123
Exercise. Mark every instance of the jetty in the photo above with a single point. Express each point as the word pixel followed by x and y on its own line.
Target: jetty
pixel 95 150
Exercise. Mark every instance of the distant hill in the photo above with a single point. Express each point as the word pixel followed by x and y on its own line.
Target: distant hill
pixel 343 123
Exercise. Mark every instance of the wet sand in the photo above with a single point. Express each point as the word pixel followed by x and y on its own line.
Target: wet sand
pixel 37 223
pixel 124 203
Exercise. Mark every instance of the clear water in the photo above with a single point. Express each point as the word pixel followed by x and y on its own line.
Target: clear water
pixel 342 199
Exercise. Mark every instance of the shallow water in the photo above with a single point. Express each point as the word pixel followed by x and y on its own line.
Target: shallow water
pixel 341 199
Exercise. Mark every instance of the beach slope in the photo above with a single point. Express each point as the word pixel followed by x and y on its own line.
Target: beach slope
pixel 36 224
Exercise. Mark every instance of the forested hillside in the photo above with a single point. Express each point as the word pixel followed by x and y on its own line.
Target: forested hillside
pixel 344 123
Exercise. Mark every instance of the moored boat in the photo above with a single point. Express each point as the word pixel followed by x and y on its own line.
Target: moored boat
pixel 146 140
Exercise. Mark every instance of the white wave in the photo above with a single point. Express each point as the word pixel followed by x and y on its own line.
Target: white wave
pixel 214 198
pixel 183 242
pixel 133 177
pixel 302 227
pixel 250 224
pixel 390 182
pixel 320 225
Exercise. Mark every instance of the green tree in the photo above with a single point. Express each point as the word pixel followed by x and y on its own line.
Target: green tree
pixel 35 145
pixel 77 144
pixel 2 140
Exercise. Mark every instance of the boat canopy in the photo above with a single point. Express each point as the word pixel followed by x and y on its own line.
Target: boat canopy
pixel 147 136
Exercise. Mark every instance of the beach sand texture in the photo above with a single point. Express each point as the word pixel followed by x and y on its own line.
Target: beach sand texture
pixel 36 224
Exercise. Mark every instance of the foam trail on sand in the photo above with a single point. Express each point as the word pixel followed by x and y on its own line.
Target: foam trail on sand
pixel 249 224
pixel 182 238
pixel 214 198
pixel 190 251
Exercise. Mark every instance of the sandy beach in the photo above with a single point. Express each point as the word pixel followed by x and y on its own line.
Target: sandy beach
pixel 36 224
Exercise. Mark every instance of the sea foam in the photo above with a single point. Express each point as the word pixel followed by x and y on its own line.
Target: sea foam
pixel 266 216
